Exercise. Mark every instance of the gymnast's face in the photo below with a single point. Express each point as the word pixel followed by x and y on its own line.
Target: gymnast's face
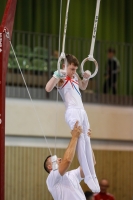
pixel 71 70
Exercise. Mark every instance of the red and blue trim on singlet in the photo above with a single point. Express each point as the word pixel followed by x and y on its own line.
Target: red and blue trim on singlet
pixel 67 79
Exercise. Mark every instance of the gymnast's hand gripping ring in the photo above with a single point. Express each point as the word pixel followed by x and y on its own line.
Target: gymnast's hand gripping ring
pixel 89 58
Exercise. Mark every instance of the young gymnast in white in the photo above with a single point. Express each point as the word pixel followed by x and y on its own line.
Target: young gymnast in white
pixel 68 88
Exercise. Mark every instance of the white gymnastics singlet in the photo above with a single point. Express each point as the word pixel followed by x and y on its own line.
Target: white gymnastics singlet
pixel 70 93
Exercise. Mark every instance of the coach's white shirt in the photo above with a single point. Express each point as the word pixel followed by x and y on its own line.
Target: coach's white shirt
pixel 66 187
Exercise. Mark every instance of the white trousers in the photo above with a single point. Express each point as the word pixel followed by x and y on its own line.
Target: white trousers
pixel 84 150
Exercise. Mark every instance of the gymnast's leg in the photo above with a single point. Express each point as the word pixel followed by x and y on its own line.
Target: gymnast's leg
pixel 71 116
pixel 88 150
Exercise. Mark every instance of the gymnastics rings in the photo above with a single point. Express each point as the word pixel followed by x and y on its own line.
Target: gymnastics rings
pixel 90 56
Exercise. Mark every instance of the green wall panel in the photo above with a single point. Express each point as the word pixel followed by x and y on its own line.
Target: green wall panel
pixel 115 19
